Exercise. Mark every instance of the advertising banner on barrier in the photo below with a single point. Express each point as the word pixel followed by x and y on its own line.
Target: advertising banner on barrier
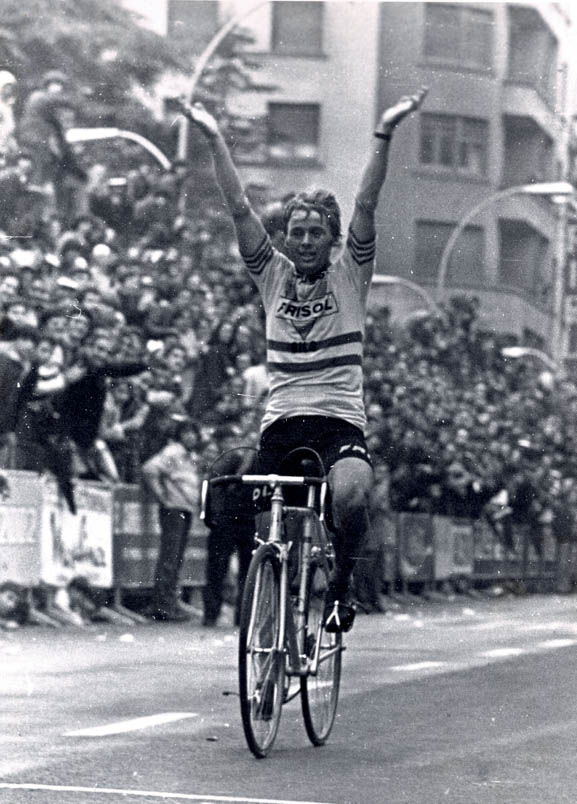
pixel 489 553
pixel 77 545
pixel 415 539
pixel 136 542
pixel 20 517
pixel 454 547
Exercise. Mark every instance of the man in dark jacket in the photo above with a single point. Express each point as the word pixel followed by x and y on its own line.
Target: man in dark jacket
pixel 41 131
pixel 82 402
pixel 462 494
pixel 18 379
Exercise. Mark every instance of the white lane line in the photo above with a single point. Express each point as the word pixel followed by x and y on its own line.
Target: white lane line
pixel 498 653
pixel 135 724
pixel 412 668
pixel 557 643
pixel 112 791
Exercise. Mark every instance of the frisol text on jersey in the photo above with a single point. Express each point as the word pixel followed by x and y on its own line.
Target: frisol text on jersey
pixel 313 308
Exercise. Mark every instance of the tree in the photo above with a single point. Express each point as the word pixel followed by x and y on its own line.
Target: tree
pixel 98 43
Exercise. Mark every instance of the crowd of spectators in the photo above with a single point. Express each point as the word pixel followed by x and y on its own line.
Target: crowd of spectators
pixel 461 425
pixel 157 306
pixel 140 315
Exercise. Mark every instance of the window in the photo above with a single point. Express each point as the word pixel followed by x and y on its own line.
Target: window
pixel 533 52
pixel 459 34
pixel 293 132
pixel 456 143
pixel 528 152
pixel 467 258
pixel 523 262
pixel 194 22
pixel 297 27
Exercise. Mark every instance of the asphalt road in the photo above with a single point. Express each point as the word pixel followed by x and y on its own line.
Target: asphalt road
pixel 472 701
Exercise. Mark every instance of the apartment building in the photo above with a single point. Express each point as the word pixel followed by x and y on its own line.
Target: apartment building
pixel 498 115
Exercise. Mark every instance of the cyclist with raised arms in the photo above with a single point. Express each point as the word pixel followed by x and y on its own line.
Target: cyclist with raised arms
pixel 315 320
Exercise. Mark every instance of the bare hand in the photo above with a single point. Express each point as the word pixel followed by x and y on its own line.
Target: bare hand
pixel 197 114
pixel 408 103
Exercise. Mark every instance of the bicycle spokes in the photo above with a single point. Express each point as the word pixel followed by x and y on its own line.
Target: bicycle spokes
pixel 261 663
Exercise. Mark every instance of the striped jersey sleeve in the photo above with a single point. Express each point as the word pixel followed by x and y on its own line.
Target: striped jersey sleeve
pixel 257 261
pixel 361 251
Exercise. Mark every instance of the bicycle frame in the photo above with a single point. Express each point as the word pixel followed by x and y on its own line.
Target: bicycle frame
pixel 292 618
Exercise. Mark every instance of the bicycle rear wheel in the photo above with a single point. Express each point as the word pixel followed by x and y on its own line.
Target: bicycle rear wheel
pixel 320 693
pixel 261 665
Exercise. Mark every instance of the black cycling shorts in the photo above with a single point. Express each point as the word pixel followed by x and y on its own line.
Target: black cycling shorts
pixel 333 439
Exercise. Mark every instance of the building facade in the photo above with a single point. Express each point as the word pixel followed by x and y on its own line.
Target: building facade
pixel 498 115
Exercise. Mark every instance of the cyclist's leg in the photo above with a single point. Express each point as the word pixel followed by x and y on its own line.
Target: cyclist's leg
pixel 350 480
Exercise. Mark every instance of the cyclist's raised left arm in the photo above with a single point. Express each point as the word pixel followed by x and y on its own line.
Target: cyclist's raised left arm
pixel 375 171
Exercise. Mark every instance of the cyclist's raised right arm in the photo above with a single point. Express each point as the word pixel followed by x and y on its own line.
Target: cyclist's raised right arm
pixel 249 229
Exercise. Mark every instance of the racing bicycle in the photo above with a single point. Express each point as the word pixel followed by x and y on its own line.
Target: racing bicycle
pixel 284 650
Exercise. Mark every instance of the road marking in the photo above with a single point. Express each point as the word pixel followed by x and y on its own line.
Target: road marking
pixel 135 724
pixel 112 791
pixel 497 653
pixel 411 668
pixel 557 643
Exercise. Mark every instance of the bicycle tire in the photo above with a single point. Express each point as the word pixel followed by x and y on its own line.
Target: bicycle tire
pixel 261 666
pixel 320 693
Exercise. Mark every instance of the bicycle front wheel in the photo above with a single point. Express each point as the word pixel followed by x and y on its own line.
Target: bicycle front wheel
pixel 261 664
pixel 320 692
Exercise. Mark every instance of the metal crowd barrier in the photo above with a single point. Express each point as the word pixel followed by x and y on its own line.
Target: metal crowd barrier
pixel 112 543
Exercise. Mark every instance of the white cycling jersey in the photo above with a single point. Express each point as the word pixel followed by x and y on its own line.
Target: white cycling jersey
pixel 315 332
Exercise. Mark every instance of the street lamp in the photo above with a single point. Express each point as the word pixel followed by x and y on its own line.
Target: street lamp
pixel 557 190
pixel 92 134
pixel 201 63
pixel 528 351
pixel 389 279
pixel 400 281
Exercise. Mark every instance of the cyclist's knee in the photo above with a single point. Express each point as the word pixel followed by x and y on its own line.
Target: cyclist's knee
pixel 351 487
